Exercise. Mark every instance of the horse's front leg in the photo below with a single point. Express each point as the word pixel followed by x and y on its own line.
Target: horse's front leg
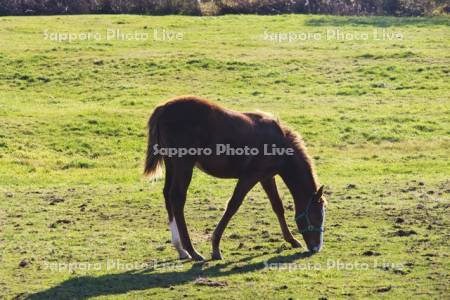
pixel 177 195
pixel 243 186
pixel 270 188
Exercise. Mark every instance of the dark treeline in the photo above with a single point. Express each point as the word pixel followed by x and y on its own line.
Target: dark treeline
pixel 219 7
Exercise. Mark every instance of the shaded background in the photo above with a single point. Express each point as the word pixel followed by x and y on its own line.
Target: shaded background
pixel 218 7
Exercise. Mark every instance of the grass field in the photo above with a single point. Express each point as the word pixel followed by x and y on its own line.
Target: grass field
pixel 78 220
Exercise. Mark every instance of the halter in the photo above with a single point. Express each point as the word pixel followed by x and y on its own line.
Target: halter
pixel 305 214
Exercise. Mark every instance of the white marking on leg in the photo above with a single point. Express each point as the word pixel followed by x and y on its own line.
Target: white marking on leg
pixel 175 235
pixel 176 239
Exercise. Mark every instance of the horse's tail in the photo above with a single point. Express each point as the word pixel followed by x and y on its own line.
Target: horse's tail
pixel 154 160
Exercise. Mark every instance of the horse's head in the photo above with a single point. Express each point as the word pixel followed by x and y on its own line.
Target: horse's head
pixel 311 221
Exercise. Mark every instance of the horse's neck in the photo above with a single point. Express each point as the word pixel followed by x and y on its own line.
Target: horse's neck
pixel 299 178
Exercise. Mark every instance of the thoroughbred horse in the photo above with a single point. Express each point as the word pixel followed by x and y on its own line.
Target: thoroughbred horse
pixel 193 124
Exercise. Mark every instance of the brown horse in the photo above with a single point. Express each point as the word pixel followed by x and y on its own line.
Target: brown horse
pixel 188 132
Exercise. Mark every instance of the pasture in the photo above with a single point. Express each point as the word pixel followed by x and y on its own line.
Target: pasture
pixel 78 219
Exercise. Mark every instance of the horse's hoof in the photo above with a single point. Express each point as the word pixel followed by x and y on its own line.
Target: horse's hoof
pixel 216 255
pixel 197 257
pixel 296 244
pixel 183 254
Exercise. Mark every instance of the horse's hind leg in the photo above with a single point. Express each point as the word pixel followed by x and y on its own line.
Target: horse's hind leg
pixel 243 186
pixel 270 188
pixel 172 223
pixel 182 174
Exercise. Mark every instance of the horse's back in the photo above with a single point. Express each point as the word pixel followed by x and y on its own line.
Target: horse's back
pixel 192 122
pixel 206 122
pixel 187 108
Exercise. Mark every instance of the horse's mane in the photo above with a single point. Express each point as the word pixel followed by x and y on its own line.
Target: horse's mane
pixel 297 143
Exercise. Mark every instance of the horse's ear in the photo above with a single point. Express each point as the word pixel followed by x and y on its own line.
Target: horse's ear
pixel 319 193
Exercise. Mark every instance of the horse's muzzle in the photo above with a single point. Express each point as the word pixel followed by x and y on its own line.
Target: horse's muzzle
pixel 318 247
pixel 315 249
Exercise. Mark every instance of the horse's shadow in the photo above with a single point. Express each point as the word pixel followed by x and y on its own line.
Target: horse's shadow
pixel 85 287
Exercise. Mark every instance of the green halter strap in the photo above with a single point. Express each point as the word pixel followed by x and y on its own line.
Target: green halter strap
pixel 305 214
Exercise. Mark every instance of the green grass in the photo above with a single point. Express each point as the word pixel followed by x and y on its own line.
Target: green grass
pixel 374 114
